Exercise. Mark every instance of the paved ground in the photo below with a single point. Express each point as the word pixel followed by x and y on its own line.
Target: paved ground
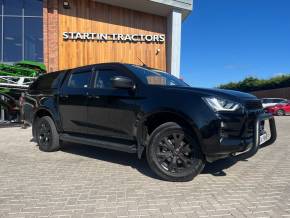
pixel 82 181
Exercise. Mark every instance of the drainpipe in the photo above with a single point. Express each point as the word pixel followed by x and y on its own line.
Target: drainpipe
pixel 174 21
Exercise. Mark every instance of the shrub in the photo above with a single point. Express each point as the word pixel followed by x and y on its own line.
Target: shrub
pixel 250 84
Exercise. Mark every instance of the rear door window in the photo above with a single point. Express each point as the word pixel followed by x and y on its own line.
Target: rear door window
pixel 267 101
pixel 279 101
pixel 47 81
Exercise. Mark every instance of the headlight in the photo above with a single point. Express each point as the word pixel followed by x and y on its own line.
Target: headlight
pixel 219 104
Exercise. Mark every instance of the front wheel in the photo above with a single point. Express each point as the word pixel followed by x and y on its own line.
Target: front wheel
pixel 46 135
pixel 174 154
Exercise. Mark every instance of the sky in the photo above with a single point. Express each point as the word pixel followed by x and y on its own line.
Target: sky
pixel 227 40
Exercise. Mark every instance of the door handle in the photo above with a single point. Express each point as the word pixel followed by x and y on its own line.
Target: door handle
pixel 64 96
pixel 93 97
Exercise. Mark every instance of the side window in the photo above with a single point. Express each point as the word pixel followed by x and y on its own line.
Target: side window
pixel 277 101
pixel 46 82
pixel 104 78
pixel 79 80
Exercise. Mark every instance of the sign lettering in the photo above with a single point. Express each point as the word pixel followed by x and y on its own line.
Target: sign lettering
pixel 159 38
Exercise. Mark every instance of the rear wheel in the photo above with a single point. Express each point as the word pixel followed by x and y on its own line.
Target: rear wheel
pixel 46 135
pixel 174 154
pixel 280 112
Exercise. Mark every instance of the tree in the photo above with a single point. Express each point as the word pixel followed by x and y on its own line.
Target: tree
pixel 250 84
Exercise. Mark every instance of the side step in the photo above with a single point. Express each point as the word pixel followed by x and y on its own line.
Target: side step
pixel 129 148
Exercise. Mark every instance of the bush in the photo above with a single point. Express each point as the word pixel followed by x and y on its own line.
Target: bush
pixel 250 84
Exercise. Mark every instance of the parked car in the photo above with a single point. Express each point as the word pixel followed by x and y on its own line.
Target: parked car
pixel 279 109
pixel 137 109
pixel 269 102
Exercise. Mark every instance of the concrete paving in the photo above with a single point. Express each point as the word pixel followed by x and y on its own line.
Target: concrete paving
pixel 83 181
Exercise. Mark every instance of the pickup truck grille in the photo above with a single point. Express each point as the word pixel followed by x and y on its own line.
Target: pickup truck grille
pixel 254 105
pixel 239 129
pixel 241 126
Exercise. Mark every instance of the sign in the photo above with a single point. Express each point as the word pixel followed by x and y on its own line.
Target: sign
pixel 158 38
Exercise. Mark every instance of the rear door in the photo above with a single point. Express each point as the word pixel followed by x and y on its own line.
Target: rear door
pixel 73 101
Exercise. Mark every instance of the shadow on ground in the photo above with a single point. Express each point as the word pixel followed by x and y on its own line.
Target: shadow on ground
pixel 216 169
pixel 9 125
pixel 107 155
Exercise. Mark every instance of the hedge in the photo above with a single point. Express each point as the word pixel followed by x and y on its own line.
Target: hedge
pixel 250 84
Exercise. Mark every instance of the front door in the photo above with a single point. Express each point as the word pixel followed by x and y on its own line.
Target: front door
pixel 111 111
pixel 73 101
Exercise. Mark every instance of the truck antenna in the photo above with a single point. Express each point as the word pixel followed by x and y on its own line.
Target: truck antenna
pixel 144 65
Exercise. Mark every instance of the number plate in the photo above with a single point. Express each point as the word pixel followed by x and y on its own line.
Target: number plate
pixel 263 138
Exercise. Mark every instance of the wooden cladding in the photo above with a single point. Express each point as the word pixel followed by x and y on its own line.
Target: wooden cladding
pixel 87 16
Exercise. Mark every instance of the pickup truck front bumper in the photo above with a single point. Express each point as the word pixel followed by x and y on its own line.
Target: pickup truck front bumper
pixel 240 137
pixel 252 150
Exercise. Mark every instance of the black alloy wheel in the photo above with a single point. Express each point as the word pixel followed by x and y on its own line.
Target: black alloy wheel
pixel 47 135
pixel 174 154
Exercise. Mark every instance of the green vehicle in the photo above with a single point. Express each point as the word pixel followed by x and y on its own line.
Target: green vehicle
pixel 23 68
pixel 15 79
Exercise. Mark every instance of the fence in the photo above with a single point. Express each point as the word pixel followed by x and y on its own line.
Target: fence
pixel 273 93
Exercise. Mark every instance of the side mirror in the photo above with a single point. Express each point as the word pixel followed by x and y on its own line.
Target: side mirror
pixel 122 82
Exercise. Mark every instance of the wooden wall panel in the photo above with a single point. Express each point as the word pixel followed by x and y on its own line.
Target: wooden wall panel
pixel 91 16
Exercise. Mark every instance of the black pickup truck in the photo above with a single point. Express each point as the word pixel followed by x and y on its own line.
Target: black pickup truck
pixel 141 110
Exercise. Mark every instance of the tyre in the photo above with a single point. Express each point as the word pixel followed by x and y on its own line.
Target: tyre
pixel 280 113
pixel 46 135
pixel 174 154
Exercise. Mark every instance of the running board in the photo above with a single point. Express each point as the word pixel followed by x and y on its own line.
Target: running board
pixel 129 148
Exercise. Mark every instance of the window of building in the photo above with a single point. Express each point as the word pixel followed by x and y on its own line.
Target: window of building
pixel 33 41
pixel 12 40
pixel 1 37
pixel 13 7
pixel 21 30
pixel 33 8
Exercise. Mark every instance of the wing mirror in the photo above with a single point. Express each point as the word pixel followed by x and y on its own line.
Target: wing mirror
pixel 122 82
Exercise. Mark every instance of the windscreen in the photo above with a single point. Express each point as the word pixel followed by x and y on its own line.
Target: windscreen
pixel 156 77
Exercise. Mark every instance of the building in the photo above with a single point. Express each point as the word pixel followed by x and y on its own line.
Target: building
pixel 71 33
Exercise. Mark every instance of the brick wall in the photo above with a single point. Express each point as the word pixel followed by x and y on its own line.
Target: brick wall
pixel 50 34
pixel 273 93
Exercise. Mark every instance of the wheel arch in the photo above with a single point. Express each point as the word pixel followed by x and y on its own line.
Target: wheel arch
pixel 152 120
pixel 41 112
